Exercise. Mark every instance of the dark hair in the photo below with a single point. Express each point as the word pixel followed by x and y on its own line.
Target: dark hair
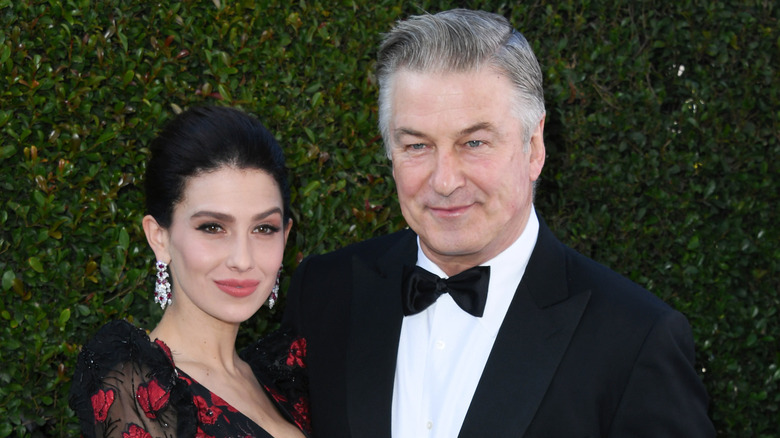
pixel 204 139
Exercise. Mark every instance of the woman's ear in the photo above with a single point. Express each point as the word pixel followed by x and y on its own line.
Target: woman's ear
pixel 158 238
pixel 287 229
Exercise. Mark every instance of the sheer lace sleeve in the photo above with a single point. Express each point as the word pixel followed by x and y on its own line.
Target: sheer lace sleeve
pixel 126 386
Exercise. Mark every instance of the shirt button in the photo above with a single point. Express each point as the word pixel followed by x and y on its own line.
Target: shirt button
pixel 429 425
pixel 440 345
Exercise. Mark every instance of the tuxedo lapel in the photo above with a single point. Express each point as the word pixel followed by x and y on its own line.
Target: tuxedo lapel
pixel 375 327
pixel 532 339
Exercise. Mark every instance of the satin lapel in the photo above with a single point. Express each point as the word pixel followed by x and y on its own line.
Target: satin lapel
pixel 375 327
pixel 530 344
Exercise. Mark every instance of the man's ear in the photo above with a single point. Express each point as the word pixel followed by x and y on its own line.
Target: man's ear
pixel 158 238
pixel 537 151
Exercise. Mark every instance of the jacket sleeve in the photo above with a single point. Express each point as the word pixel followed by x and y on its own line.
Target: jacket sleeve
pixel 664 395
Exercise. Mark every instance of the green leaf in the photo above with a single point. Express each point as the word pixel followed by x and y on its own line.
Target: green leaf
pixel 127 77
pixel 39 198
pixel 35 263
pixel 124 239
pixel 309 134
pixel 64 317
pixel 316 99
pixel 105 136
pixel 223 91
pixel 5 429
pixel 7 151
pixel 312 186
pixel 5 53
pixel 5 116
pixel 8 280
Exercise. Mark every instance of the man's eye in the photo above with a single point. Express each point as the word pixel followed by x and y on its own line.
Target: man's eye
pixel 474 143
pixel 416 146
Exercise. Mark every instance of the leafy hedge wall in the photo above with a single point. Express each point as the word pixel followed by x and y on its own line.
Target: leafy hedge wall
pixel 662 134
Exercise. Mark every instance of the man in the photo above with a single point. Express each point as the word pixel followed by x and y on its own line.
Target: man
pixel 561 347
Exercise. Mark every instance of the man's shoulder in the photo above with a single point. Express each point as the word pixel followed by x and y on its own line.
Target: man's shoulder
pixel 368 249
pixel 610 287
pixel 580 272
pixel 335 267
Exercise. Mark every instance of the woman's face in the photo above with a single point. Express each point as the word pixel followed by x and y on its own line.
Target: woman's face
pixel 225 243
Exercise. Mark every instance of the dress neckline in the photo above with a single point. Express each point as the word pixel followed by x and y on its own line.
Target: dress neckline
pixel 182 375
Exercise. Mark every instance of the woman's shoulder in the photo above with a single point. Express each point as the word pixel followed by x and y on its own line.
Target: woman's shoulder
pixel 121 365
pixel 117 332
pixel 118 346
pixel 278 360
pixel 279 356
pixel 119 342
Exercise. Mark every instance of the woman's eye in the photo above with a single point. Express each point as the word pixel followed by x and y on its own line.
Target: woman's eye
pixel 474 143
pixel 267 229
pixel 210 228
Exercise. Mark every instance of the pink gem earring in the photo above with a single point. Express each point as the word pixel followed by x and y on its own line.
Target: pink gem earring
pixel 275 291
pixel 162 287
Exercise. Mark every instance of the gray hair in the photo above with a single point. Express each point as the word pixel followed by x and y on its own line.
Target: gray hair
pixel 461 40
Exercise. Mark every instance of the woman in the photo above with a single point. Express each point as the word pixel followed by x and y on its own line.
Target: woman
pixel 218 220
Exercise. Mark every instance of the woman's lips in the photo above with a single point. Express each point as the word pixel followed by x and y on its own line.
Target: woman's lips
pixel 237 288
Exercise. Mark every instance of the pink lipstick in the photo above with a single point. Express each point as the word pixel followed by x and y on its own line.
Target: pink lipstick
pixel 237 288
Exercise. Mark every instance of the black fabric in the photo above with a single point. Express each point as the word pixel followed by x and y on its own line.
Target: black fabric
pixel 127 385
pixel 582 351
pixel 468 289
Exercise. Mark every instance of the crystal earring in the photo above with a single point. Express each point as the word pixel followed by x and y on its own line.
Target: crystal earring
pixel 162 287
pixel 275 291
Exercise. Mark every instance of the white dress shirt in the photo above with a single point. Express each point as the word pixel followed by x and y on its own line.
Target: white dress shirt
pixel 442 350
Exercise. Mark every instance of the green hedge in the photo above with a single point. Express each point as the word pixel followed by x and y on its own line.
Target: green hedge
pixel 662 133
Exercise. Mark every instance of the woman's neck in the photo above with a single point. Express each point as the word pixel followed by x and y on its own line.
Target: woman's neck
pixel 198 341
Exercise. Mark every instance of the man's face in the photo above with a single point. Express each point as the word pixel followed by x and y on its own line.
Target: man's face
pixel 464 182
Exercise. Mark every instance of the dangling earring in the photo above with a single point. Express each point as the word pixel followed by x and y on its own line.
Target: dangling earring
pixel 275 291
pixel 162 288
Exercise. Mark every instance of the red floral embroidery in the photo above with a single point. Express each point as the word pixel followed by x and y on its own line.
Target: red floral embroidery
pixel 217 400
pixel 201 434
pixel 297 353
pixel 152 398
pixel 186 379
pixel 165 348
pixel 206 414
pixel 301 414
pixel 275 394
pixel 101 402
pixel 136 432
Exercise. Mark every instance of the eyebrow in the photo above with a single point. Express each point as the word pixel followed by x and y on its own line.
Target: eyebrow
pixel 466 131
pixel 487 126
pixel 407 131
pixel 224 217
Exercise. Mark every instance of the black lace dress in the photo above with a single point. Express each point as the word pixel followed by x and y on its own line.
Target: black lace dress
pixel 127 386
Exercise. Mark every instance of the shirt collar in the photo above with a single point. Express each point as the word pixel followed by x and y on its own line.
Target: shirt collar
pixel 506 270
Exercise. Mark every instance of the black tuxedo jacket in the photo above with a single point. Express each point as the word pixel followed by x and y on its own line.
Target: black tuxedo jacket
pixel 582 351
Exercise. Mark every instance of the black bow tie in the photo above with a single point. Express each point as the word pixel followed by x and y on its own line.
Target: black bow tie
pixel 468 289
